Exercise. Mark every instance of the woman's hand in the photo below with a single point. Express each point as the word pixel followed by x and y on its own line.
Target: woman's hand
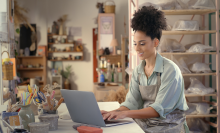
pixel 115 115
pixel 104 112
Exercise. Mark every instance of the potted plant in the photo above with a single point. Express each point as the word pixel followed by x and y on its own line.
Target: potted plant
pixel 66 73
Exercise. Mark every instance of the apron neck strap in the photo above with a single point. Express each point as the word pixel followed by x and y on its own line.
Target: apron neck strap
pixel 158 78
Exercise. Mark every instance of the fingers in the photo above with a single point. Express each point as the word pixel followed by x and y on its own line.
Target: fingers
pixel 113 115
pixel 117 117
pixel 103 112
pixel 105 116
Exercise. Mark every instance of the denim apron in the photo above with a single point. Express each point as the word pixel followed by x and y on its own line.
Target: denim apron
pixel 174 122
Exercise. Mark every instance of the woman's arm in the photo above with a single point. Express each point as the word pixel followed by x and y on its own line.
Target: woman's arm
pixel 145 113
pixel 106 114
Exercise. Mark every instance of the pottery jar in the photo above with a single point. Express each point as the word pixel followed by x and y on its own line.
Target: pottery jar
pixel 27 115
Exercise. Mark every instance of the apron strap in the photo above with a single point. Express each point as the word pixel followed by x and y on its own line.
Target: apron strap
pixel 139 78
pixel 158 78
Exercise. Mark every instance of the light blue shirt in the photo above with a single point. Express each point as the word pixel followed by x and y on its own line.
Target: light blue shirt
pixel 171 92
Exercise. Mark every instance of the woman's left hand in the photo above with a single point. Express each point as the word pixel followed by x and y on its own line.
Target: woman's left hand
pixel 117 115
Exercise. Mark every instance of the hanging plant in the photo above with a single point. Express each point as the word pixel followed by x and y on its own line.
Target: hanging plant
pixel 20 17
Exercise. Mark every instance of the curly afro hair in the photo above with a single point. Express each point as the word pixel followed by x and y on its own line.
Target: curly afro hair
pixel 149 20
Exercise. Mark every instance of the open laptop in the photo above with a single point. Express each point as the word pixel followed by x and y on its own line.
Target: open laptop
pixel 83 108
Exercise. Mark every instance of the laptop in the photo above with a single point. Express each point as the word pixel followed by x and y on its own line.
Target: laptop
pixel 83 108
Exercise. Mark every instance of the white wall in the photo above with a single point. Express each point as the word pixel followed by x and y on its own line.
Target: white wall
pixel 81 13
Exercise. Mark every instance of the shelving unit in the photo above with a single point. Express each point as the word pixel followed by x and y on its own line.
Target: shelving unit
pixel 189 12
pixel 64 52
pixel 134 61
pixel 28 69
pixel 198 74
pixel 33 72
pixel 197 95
pixel 188 32
pixel 67 60
pixel 206 53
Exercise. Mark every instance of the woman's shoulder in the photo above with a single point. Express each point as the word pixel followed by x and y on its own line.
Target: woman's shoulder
pixel 170 68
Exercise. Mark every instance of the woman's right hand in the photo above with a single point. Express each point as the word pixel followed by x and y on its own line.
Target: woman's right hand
pixel 104 112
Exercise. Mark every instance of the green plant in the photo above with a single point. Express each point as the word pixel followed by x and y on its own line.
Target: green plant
pixel 67 72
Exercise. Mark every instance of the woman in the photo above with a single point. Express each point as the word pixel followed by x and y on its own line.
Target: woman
pixel 156 98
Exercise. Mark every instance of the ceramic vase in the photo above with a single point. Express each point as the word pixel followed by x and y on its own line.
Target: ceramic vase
pixel 61 30
pixel 67 84
pixel 27 115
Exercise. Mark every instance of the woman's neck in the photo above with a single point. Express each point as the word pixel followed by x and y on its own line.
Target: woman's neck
pixel 150 61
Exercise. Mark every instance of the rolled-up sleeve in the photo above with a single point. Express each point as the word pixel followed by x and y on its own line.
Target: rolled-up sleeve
pixel 169 95
pixel 133 99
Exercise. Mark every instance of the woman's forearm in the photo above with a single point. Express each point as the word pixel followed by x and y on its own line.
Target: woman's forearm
pixel 145 113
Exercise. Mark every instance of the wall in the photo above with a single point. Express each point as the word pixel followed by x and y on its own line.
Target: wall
pixel 81 13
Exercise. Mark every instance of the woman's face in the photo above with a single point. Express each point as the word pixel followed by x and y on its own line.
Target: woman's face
pixel 144 45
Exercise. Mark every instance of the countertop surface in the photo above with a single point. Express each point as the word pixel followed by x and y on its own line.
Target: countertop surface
pixel 66 125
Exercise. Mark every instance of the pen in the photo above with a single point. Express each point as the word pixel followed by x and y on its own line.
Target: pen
pixel 29 89
pixel 35 91
pixel 22 97
pixel 29 99
pixel 52 95
pixel 60 101
pixel 24 94
pixel 49 102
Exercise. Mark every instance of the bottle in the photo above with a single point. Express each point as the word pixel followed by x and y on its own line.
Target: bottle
pixel 119 67
pixel 108 65
pixel 113 69
pixel 102 77
pixel 109 74
pixel 101 62
pixel 115 76
pixel 105 62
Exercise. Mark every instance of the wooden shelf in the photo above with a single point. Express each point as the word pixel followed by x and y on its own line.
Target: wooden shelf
pixel 66 60
pixel 21 69
pixel 59 43
pixel 198 74
pixel 188 32
pixel 28 82
pixel 197 95
pixel 188 12
pixel 184 53
pixel 111 55
pixel 30 56
pixel 65 52
pixel 201 116
pixel 55 35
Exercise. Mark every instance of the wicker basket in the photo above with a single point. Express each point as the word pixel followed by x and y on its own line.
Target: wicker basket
pixel 110 8
pixel 7 70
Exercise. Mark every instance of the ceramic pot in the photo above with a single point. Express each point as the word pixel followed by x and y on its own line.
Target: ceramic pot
pixel 26 115
pixel 50 118
pixel 39 127
pixel 19 131
pixel 61 30
pixel 67 84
